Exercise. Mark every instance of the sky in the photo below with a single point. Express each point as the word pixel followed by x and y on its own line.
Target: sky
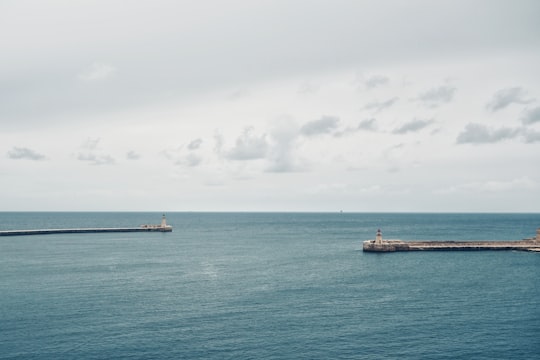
pixel 296 105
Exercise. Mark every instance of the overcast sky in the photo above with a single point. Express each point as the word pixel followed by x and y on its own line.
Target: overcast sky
pixel 270 105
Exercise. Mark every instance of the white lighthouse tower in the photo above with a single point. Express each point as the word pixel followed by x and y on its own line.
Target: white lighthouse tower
pixel 163 221
pixel 378 237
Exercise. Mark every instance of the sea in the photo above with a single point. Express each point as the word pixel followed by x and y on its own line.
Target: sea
pixel 266 286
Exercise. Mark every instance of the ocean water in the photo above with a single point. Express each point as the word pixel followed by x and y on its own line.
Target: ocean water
pixel 266 286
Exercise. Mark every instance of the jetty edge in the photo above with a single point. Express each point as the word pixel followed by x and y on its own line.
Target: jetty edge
pixel 162 227
pixel 380 245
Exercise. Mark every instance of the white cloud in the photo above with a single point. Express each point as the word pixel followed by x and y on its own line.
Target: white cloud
pixel 132 155
pixel 22 153
pixel 91 144
pixel 195 144
pixel 95 159
pixel 505 97
pixel 248 147
pixel 218 142
pixel 531 116
pixel 324 125
pixel 481 134
pixel 282 155
pixel 92 155
pixel 531 136
pixel 412 126
pixel 364 125
pixel 368 124
pixel 190 160
pixel 381 105
pixel 375 81
pixel 437 96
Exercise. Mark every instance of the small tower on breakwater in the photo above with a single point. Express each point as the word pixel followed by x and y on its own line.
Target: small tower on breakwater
pixel 163 221
pixel 158 227
pixel 378 237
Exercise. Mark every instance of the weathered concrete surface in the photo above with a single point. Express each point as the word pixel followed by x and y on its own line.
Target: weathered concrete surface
pixel 399 245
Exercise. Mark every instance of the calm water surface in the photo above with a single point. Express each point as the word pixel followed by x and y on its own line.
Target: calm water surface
pixel 266 286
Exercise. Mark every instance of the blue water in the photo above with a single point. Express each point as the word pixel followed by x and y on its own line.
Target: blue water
pixel 266 286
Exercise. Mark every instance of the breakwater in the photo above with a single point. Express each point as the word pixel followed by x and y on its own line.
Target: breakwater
pixel 380 245
pixel 162 227
pixel 81 231
pixel 398 245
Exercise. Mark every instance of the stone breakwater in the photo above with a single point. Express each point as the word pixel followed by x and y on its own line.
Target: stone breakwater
pixel 162 227
pixel 83 231
pixel 399 245
pixel 380 245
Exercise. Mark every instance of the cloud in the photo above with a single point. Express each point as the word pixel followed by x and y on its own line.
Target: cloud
pixel 195 144
pixel 218 142
pixel 481 134
pixel 282 154
pixel 97 72
pixel 376 80
pixel 178 157
pixel 132 155
pixel 89 153
pixel 91 144
pixel 248 147
pixel 531 116
pixel 531 136
pixel 504 97
pixel 393 152
pixel 412 126
pixel 20 153
pixel 365 125
pixel 381 105
pixel 324 125
pixel 190 160
pixel 94 159
pixel 368 125
pixel 437 96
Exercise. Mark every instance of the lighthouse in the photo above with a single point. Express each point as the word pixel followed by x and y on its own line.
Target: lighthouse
pixel 163 221
pixel 378 237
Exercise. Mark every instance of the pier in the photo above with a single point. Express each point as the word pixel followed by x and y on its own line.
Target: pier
pixel 380 245
pixel 162 227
